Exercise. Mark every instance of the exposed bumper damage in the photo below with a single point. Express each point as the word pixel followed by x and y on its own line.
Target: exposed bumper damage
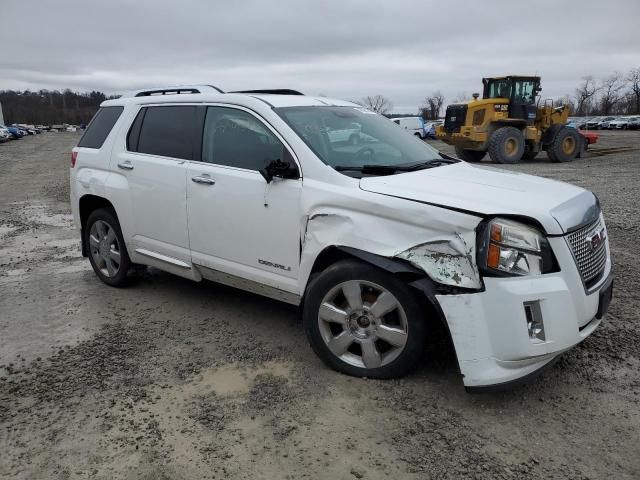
pixel 450 262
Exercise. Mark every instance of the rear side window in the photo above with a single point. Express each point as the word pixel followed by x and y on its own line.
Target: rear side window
pixel 100 126
pixel 168 131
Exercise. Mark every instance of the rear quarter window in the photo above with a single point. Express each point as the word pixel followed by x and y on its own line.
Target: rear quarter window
pixel 100 126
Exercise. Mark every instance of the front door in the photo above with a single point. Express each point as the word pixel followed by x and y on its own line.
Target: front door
pixel 238 223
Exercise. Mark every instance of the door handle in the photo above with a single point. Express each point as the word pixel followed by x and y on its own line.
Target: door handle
pixel 125 166
pixel 203 179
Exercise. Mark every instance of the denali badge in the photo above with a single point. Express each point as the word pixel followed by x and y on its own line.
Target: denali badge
pixel 274 265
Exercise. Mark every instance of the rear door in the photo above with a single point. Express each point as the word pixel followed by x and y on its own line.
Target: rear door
pixel 160 142
pixel 239 224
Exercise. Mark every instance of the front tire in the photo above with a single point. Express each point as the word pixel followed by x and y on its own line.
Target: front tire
pixel 363 321
pixel 107 251
pixel 469 155
pixel 506 145
pixel 565 146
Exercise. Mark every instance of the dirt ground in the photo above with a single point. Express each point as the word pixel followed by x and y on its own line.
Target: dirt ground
pixel 170 379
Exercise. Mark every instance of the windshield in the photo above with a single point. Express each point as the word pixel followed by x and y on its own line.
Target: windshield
pixel 347 137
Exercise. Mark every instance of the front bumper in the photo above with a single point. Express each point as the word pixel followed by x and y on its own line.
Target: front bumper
pixel 489 328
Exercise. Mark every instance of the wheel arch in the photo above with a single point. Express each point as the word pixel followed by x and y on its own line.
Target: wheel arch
pixel 549 135
pixel 418 280
pixel 87 204
pixel 497 124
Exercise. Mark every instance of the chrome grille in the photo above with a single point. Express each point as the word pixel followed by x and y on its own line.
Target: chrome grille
pixel 590 254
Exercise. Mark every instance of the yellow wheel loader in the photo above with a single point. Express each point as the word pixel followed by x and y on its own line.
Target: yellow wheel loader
pixel 509 124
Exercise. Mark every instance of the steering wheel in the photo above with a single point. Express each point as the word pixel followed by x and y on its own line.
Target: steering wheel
pixel 365 151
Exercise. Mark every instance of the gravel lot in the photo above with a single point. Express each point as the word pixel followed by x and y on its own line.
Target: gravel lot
pixel 170 379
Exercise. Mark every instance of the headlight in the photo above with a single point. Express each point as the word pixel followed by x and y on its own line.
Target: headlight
pixel 513 248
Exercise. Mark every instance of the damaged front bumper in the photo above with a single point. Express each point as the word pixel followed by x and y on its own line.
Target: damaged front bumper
pixel 491 329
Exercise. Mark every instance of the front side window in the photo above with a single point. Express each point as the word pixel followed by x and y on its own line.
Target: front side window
pixel 100 126
pixel 236 138
pixel 168 131
pixel 352 137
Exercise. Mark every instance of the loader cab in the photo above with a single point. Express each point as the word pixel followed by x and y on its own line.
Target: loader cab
pixel 520 91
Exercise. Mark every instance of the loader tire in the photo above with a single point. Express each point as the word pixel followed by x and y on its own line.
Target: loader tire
pixel 565 146
pixel 469 155
pixel 506 145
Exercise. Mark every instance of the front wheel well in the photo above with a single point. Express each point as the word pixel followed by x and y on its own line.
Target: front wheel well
pixel 423 287
pixel 412 276
pixel 88 204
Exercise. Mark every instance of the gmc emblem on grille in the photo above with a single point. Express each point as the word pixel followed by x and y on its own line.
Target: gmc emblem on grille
pixel 596 239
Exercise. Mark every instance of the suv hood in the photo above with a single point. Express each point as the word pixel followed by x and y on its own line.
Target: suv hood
pixel 485 191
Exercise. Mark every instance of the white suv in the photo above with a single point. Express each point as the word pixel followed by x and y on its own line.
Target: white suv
pixel 373 240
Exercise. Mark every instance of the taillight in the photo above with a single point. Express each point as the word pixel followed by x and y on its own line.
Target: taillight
pixel 74 157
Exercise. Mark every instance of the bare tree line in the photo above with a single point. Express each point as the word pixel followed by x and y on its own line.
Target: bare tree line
pixel 616 94
pixel 49 107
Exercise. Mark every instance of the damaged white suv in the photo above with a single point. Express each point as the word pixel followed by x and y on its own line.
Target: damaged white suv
pixel 374 239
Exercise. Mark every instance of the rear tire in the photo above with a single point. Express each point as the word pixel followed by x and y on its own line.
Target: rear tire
pixel 565 146
pixel 105 245
pixel 469 155
pixel 506 145
pixel 354 336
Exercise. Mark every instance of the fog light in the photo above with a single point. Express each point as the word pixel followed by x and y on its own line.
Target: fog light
pixel 535 325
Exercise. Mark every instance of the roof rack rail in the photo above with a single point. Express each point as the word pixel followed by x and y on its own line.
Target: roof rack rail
pixel 274 91
pixel 178 90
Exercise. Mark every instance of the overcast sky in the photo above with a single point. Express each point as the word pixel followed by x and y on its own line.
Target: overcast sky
pixel 346 49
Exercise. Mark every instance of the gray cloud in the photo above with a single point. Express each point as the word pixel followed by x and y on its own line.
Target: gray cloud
pixel 347 49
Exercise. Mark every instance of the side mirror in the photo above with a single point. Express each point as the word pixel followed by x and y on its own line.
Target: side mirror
pixel 285 168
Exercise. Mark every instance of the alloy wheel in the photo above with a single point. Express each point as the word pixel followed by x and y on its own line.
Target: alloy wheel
pixel 363 324
pixel 105 248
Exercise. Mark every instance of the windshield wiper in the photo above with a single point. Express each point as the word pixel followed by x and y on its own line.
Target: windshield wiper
pixel 388 169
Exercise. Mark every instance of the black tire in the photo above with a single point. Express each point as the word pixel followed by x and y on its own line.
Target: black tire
pixel 506 145
pixel 565 146
pixel 108 216
pixel 349 270
pixel 469 155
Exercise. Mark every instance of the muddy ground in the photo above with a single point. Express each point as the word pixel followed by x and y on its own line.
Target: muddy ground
pixel 169 379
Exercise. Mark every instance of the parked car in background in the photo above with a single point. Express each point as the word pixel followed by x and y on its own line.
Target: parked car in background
pixel 414 125
pixel 346 133
pixel 604 123
pixel 634 123
pixel 430 128
pixel 23 131
pixel 593 122
pixel 5 136
pixel 15 132
pixel 581 122
pixel 621 123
